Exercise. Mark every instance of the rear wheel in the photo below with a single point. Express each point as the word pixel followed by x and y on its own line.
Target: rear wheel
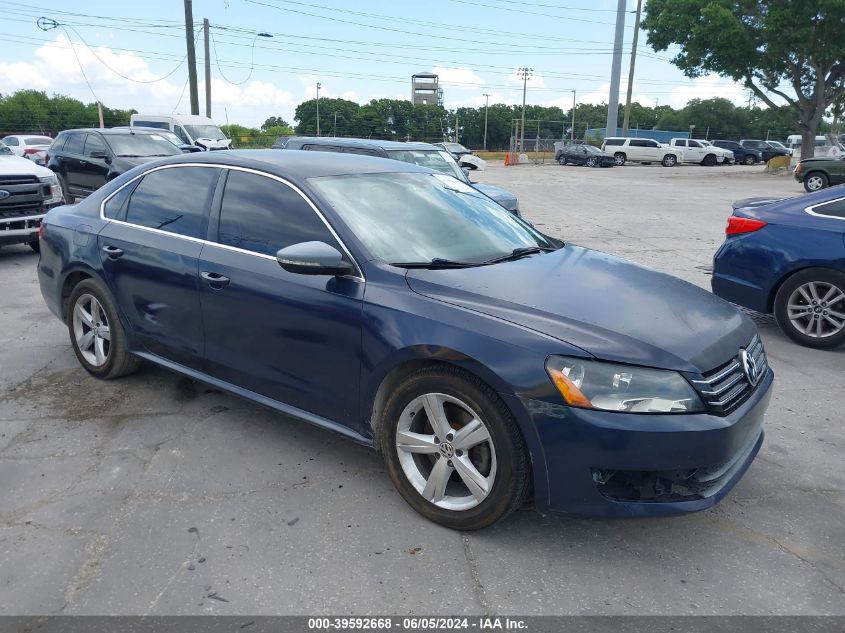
pixel 35 245
pixel 670 160
pixel 815 180
pixel 96 334
pixel 810 308
pixel 65 191
pixel 620 158
pixel 453 450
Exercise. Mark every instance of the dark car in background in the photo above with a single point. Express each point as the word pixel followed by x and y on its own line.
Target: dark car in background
pixel 787 257
pixel 766 149
pixel 86 159
pixel 584 155
pixel 422 154
pixel 818 173
pixel 403 309
pixel 744 155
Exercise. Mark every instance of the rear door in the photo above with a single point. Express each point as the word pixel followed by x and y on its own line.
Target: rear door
pixel 150 253
pixel 290 337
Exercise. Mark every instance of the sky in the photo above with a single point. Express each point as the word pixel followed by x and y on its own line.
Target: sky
pixel 267 56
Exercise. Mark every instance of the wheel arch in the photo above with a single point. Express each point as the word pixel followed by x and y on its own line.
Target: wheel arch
pixel 798 268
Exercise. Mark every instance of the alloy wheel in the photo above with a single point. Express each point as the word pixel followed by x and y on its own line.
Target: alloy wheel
pixel 591 162
pixel 817 309
pixel 446 451
pixel 814 183
pixel 91 330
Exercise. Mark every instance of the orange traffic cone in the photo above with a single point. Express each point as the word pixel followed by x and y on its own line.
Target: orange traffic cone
pixel 507 159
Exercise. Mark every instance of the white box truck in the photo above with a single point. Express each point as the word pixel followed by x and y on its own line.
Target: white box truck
pixel 191 128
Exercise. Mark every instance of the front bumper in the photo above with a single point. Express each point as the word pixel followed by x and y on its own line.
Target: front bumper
pixel 608 464
pixel 20 230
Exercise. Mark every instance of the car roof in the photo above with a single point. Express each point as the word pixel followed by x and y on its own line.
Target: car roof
pixel 115 130
pixel 298 164
pixel 361 142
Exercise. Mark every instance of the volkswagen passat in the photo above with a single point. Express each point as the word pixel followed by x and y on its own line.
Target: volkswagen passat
pixel 404 310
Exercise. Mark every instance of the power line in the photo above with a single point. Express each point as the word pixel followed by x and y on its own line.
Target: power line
pixel 524 12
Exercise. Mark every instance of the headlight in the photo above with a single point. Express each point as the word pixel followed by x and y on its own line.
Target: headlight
pixel 55 190
pixel 592 384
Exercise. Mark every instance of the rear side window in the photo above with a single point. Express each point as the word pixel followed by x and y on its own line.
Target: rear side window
pixel 614 141
pixel 115 207
pixel 59 143
pixel 832 209
pixel 263 215
pixel 11 141
pixel 175 200
pixel 638 142
pixel 75 143
pixel 360 150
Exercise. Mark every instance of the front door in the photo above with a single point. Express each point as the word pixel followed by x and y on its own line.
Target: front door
pixel 150 255
pixel 290 337
pixel 94 166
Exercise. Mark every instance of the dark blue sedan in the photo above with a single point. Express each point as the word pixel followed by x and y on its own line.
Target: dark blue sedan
pixel 405 310
pixel 787 257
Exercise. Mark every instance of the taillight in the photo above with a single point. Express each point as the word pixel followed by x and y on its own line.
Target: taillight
pixel 41 231
pixel 29 151
pixel 738 226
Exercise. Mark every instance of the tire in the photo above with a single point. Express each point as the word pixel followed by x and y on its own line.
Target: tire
pixel 815 181
pixel 35 245
pixel 821 324
pixel 749 160
pixel 670 160
pixel 709 160
pixel 101 356
pixel 590 162
pixel 562 160
pixel 498 458
pixel 65 191
pixel 620 158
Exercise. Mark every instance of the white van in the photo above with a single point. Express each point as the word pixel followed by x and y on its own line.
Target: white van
pixel 191 128
pixel 825 146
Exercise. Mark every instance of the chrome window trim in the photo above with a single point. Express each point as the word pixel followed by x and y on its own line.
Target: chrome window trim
pixel 810 210
pixel 359 276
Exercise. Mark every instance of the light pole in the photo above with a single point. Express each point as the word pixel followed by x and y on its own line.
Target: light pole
pixel 486 105
pixel 525 73
pixel 572 130
pixel 319 85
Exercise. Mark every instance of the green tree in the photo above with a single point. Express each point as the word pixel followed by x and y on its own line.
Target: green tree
pixel 306 116
pixel 276 123
pixel 792 49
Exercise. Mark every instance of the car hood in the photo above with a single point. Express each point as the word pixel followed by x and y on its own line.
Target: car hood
pixel 609 307
pixel 502 196
pixel 134 161
pixel 14 165
pixel 821 159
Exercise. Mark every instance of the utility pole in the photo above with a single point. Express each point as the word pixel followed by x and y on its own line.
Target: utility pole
pixel 205 28
pixel 572 130
pixel 334 129
pixel 192 57
pixel 631 69
pixel 319 85
pixel 486 105
pixel 100 113
pixel 525 73
pixel 456 129
pixel 615 71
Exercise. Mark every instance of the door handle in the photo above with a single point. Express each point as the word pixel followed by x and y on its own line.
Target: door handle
pixel 215 280
pixel 112 252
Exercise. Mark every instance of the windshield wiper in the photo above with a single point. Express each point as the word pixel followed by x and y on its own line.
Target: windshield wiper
pixel 434 264
pixel 519 252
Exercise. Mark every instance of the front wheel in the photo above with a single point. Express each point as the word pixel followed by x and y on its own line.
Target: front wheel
pixel 591 162
pixel 810 308
pixel 96 335
pixel 562 160
pixel 815 181
pixel 670 160
pixel 749 160
pixel 453 449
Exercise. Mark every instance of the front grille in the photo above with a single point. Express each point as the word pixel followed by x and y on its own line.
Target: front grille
pixel 21 210
pixel 726 387
pixel 18 180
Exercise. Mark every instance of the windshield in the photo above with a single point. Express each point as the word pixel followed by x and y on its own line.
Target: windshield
pixel 439 161
pixel 205 131
pixel 456 147
pixel 141 145
pixel 412 217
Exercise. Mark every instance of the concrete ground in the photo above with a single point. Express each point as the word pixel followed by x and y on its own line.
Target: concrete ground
pixel 157 495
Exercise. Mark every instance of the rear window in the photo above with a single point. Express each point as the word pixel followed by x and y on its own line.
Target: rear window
pixel 159 124
pixel 614 141
pixel 38 140
pixel 322 148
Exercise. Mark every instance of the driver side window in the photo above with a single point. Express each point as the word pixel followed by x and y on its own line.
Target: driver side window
pixel 180 132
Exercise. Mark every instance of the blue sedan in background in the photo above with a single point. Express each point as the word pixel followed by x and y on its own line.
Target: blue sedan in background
pixel 405 310
pixel 787 257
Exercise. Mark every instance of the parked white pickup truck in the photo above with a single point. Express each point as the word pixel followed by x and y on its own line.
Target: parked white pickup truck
pixel 702 152
pixel 641 150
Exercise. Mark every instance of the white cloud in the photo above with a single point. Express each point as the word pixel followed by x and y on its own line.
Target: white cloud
pixel 706 88
pixel 54 69
pixel 461 75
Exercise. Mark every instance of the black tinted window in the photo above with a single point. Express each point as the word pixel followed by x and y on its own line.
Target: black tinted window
pixel 59 143
pixel 75 143
pixel 322 148
pixel 174 200
pixel 115 208
pixel 638 142
pixel 263 215
pixel 94 144
pixel 834 209
pixel 614 141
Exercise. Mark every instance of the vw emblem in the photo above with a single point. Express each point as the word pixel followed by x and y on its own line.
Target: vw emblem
pixel 749 366
pixel 4 194
pixel 446 450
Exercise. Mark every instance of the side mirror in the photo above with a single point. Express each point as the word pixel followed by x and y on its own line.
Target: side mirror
pixel 189 149
pixel 99 154
pixel 312 258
